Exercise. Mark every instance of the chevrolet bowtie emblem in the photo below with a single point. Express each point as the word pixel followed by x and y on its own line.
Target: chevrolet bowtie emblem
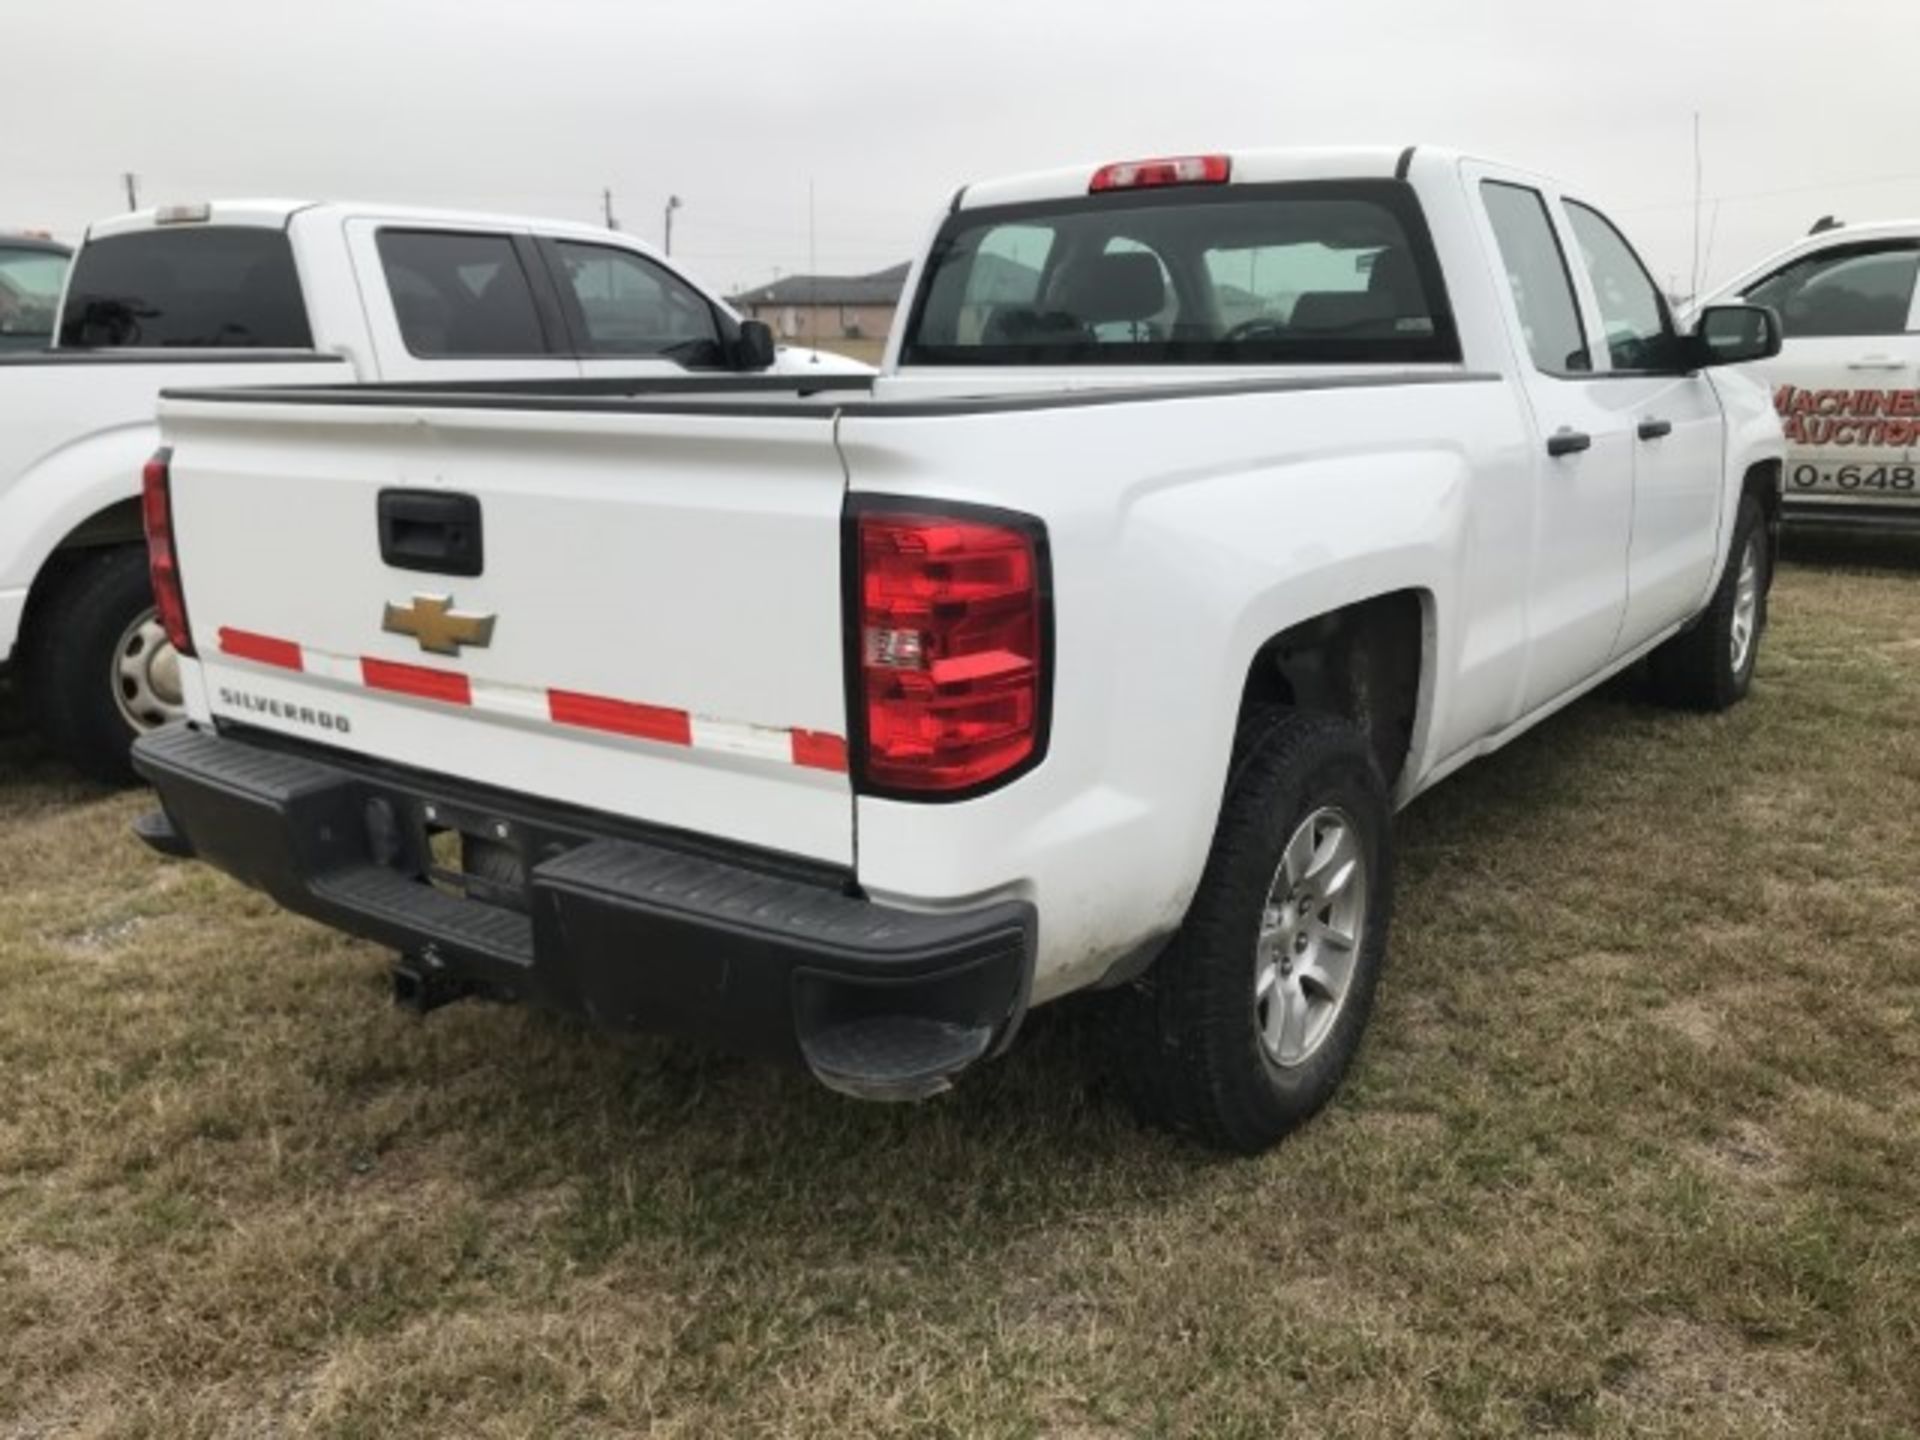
pixel 440 629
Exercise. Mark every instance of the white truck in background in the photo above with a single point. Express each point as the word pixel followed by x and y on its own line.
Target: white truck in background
pixel 1847 379
pixel 1206 510
pixel 245 292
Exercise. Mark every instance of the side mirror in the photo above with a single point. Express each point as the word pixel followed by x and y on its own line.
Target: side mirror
pixel 1735 335
pixel 752 347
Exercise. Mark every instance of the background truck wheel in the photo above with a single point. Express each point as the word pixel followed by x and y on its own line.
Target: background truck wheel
pixel 99 667
pixel 1245 1025
pixel 1710 666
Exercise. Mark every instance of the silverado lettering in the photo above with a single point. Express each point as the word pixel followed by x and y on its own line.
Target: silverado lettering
pixel 280 710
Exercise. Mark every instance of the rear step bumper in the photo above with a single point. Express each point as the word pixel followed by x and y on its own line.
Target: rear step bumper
pixel 632 933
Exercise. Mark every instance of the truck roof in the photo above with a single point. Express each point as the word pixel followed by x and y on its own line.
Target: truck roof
pixel 33 242
pixel 1250 167
pixel 1860 230
pixel 275 214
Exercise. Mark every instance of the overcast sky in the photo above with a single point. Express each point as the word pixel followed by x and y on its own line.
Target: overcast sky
pixel 887 105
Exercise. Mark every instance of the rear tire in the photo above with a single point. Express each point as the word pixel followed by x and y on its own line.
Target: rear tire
pixel 1709 666
pixel 1245 1026
pixel 99 670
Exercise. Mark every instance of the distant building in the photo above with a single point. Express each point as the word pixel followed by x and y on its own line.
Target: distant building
pixel 850 314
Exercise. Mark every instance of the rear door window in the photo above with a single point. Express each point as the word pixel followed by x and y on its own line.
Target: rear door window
pixel 1537 274
pixel 197 286
pixel 627 305
pixel 1849 290
pixel 461 295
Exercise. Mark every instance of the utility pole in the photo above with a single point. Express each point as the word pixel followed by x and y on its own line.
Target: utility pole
pixel 1706 256
pixel 673 204
pixel 606 206
pixel 132 182
pixel 1697 174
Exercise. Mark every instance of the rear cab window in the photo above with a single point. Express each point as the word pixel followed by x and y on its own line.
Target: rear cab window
pixel 1297 273
pixel 200 286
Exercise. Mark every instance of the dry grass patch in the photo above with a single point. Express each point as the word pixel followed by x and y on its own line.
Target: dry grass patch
pixel 1683 1378
pixel 1634 1147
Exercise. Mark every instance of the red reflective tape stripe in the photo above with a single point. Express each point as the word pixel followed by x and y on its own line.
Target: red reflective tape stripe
pixel 620 717
pixel 445 686
pixel 262 649
pixel 818 750
pixel 813 749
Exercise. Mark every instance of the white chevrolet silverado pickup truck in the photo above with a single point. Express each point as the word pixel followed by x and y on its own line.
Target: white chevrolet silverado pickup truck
pixel 1205 510
pixel 242 292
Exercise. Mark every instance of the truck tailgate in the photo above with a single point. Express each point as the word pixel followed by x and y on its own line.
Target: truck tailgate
pixel 654 630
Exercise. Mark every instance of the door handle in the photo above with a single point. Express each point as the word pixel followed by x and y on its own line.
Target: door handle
pixel 1876 362
pixel 1568 442
pixel 1655 429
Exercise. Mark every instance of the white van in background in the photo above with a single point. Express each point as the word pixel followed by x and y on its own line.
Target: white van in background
pixel 1847 382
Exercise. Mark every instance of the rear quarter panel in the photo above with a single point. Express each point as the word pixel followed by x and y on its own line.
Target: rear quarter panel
pixel 1184 534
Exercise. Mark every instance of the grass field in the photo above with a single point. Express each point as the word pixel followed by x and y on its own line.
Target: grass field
pixel 1634 1146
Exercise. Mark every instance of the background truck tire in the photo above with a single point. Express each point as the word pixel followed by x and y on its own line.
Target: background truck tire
pixel 1193 1039
pixel 1703 668
pixel 95 674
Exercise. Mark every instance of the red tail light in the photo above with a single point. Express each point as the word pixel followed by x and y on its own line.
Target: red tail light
pixel 953 645
pixel 163 559
pixel 1173 170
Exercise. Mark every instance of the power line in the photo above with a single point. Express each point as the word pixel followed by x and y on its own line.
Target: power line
pixel 1737 196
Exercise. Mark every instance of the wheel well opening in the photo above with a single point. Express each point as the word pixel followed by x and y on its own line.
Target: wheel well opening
pixel 1362 662
pixel 1763 483
pixel 118 524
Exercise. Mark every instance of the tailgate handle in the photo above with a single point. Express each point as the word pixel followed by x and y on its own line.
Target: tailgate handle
pixel 433 531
